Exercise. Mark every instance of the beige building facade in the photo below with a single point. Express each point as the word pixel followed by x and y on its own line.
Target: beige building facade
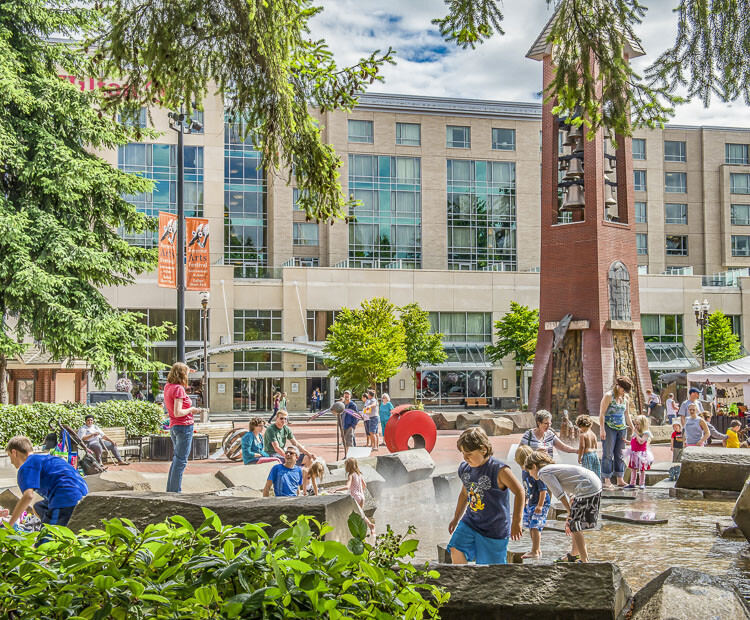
pixel 449 218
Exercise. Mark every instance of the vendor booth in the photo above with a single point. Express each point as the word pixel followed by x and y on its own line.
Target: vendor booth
pixel 728 386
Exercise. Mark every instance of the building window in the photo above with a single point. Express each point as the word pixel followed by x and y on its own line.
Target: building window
pixel 458 137
pixel 305 261
pixel 255 361
pixel 318 324
pixel 740 245
pixel 137 119
pixel 24 391
pixel 675 182
pixel 156 317
pixel 739 183
pixel 481 215
pixel 387 231
pixel 452 387
pixel 641 243
pixel 740 215
pixel 736 321
pixel 639 148
pixel 409 134
pixel 675 213
pixel 674 151
pixel 640 213
pixel 245 206
pixel 159 163
pixel 305 233
pixel 503 139
pixel 462 326
pixel 295 199
pixel 737 154
pixel 316 364
pixel 250 325
pixel 360 131
pixel 639 180
pixel 677 245
pixel 662 327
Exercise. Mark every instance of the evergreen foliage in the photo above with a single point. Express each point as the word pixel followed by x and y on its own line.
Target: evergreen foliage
pixel 422 347
pixel 721 344
pixel 365 346
pixel 61 205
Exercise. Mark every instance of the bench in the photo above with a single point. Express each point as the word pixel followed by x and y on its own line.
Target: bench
pixel 215 431
pixel 126 447
pixel 476 402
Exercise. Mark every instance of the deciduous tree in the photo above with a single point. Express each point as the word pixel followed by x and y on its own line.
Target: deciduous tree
pixel 422 347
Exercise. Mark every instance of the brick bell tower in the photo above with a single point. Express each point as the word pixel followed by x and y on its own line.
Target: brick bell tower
pixel 589 320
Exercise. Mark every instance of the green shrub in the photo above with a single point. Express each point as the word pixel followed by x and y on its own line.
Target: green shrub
pixel 139 417
pixel 172 570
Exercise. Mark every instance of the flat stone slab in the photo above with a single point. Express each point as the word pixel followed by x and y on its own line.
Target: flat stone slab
pixel 522 420
pixel 533 591
pixel 191 483
pixel 237 492
pixel 145 508
pixel 252 476
pixel 665 484
pixel 652 476
pixel 444 556
pixel 495 427
pixel 558 525
pixel 662 433
pixel 639 517
pixel 119 480
pixel 10 496
pixel 467 420
pixel 724 469
pixel 405 466
pixel 619 494
pixel 685 593
pixel 727 528
pixel 703 494
pixel 445 421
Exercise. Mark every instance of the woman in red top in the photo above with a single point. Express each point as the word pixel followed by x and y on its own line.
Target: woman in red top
pixel 181 413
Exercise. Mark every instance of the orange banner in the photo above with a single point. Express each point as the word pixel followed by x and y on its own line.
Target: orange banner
pixel 167 250
pixel 198 272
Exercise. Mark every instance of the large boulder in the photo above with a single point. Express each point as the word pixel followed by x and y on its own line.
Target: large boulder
pixel 578 591
pixel 252 476
pixel 447 486
pixel 727 528
pixel 686 593
pixel 10 496
pixel 725 469
pixel 445 421
pixel 467 420
pixel 338 477
pixel 405 466
pixel 740 514
pixel 522 420
pixel 119 480
pixel 496 426
pixel 662 433
pixel 145 508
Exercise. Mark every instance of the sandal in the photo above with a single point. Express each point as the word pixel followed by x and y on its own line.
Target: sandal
pixel 568 558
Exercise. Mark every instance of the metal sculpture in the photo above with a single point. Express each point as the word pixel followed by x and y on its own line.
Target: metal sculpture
pixel 409 424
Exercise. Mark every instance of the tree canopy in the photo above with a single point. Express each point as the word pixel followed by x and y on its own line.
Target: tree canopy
pixel 61 206
pixel 721 344
pixel 365 345
pixel 422 347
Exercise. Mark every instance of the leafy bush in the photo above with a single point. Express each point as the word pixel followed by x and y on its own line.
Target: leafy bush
pixel 172 570
pixel 139 417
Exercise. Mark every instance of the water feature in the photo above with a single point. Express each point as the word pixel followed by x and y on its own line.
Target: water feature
pixel 641 551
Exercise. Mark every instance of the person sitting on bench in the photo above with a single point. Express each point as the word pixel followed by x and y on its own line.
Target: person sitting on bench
pixel 97 441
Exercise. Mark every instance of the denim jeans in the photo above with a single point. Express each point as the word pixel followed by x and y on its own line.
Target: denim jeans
pixel 182 440
pixel 612 460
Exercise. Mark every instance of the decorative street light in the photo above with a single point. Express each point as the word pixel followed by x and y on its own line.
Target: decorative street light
pixel 182 125
pixel 701 319
pixel 205 295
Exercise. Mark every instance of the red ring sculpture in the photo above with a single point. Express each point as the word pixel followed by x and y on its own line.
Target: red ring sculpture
pixel 406 423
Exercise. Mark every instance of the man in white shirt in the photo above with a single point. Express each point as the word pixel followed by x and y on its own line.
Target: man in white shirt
pixel 97 441
pixel 671 409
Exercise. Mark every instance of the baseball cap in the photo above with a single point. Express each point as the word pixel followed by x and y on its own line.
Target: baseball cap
pixel 694 391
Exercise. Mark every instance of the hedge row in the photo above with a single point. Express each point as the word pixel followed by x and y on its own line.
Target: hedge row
pixel 139 417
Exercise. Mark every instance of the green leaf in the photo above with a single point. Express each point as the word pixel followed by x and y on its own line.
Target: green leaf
pixel 356 546
pixel 357 526
pixel 408 547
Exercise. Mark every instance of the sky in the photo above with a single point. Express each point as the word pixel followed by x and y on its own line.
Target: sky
pixel 498 69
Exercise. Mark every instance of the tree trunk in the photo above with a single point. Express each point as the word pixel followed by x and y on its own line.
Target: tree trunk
pixel 519 379
pixel 3 380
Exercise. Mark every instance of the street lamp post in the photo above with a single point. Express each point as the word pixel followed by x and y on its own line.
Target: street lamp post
pixel 701 319
pixel 180 123
pixel 204 316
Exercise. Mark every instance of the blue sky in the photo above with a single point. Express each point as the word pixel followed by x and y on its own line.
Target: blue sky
pixel 497 70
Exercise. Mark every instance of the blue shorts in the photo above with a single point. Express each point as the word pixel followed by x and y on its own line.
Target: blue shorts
pixel 373 425
pixel 477 547
pixel 533 521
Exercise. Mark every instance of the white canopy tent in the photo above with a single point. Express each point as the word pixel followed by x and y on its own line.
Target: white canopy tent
pixel 737 371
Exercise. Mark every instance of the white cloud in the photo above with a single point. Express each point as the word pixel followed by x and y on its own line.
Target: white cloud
pixel 496 70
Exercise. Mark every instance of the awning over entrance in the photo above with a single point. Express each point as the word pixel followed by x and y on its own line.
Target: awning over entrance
pixel 464 357
pixel 301 348
pixel 664 356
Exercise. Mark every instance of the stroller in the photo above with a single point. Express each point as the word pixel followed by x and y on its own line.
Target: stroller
pixel 65 442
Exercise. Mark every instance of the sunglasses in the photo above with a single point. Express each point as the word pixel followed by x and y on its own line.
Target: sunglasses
pixel 291 453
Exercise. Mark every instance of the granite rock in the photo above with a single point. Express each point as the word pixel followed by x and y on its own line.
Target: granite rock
pixel 119 480
pixel 724 469
pixel 467 420
pixel 445 421
pixel 496 426
pixel 405 466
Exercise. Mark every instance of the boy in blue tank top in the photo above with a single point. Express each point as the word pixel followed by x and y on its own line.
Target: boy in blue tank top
pixel 482 524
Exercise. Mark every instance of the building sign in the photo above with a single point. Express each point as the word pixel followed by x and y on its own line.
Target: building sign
pixel 167 250
pixel 92 83
pixel 198 272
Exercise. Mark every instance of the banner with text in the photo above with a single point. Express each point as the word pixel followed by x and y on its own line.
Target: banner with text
pixel 167 250
pixel 198 272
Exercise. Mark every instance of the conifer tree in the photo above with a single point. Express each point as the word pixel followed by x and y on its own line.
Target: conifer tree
pixel 721 344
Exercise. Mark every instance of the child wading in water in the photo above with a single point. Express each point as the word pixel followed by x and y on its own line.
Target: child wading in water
pixel 587 455
pixel 355 486
pixel 640 453
pixel 538 500
pixel 482 524
pixel 580 491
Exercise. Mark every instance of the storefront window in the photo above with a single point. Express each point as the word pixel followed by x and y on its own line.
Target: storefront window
pixel 24 391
